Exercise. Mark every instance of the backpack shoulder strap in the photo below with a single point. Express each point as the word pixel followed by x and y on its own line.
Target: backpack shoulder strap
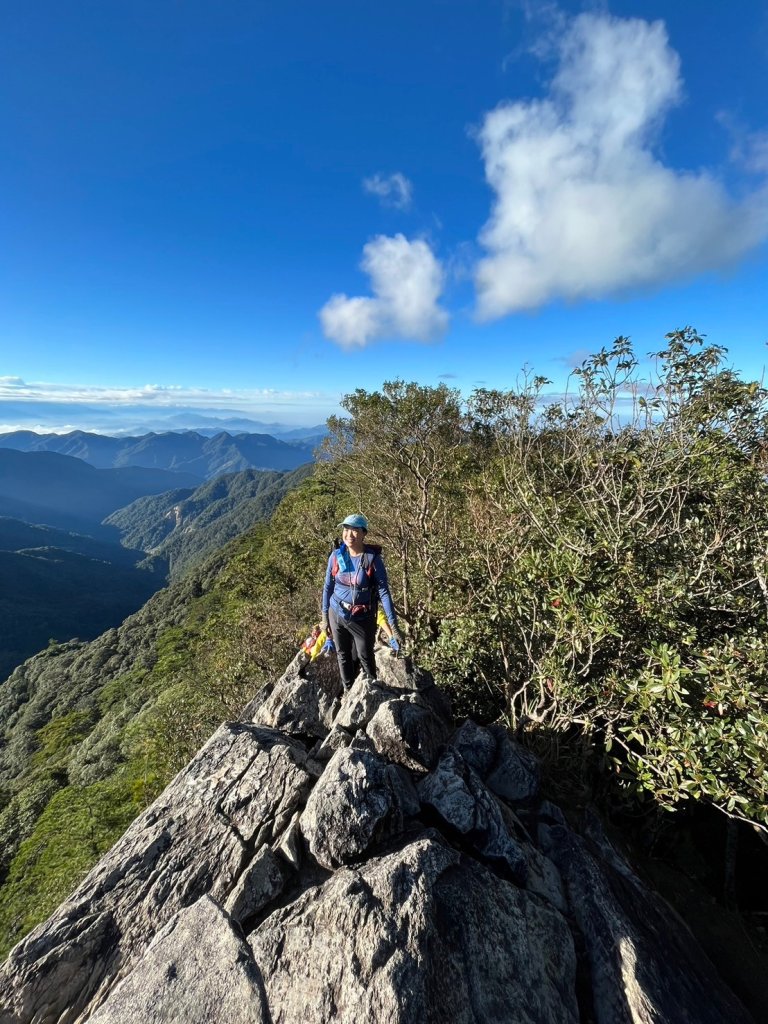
pixel 339 560
pixel 371 551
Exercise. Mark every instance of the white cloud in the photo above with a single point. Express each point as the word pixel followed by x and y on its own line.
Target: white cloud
pixel 394 190
pixel 583 207
pixel 406 279
pixel 167 396
pixel 58 408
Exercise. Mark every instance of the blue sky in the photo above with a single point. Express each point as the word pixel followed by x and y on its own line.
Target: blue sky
pixel 258 207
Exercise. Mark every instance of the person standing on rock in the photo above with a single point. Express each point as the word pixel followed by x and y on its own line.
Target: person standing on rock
pixel 355 581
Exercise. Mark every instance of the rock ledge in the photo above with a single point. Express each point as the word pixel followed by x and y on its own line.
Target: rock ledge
pixel 355 858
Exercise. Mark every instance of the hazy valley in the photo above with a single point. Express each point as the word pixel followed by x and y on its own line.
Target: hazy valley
pixel 88 532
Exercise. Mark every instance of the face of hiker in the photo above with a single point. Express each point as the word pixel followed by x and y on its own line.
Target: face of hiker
pixel 354 538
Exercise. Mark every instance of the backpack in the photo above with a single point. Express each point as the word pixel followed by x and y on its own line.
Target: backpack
pixel 370 551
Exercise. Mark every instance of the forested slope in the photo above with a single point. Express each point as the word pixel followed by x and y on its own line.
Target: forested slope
pixel 91 732
pixel 183 527
pixel 17 535
pixel 51 595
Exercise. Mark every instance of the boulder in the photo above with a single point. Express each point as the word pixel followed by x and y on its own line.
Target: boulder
pixel 360 704
pixel 408 733
pixel 476 745
pixel 302 703
pixel 644 965
pixel 515 775
pixel 358 803
pixel 421 934
pixel 323 750
pixel 458 796
pixel 195 839
pixel 399 673
pixel 258 885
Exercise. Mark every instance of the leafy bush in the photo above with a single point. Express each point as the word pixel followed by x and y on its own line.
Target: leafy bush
pixel 598 563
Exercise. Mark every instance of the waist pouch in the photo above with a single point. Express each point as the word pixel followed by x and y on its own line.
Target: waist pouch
pixel 355 611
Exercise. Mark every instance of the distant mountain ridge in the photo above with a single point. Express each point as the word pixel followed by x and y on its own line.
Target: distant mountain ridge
pixel 66 492
pixel 16 535
pixel 181 451
pixel 121 420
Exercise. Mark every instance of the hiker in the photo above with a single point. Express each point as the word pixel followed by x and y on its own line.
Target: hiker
pixel 355 581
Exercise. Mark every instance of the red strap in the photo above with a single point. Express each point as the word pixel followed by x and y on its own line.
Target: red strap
pixel 367 569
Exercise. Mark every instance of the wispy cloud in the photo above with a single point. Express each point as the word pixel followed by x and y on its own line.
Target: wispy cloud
pixel 573 359
pixel 583 207
pixel 393 190
pixel 756 156
pixel 407 280
pixel 749 148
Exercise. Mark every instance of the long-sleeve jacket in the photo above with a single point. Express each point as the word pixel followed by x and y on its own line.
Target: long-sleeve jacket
pixel 357 581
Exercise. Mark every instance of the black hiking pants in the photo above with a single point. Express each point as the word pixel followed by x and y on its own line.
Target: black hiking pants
pixel 354 640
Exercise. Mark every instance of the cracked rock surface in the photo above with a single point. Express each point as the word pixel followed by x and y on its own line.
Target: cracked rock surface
pixel 355 858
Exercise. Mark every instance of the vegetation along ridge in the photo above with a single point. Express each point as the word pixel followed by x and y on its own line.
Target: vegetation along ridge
pixel 591 571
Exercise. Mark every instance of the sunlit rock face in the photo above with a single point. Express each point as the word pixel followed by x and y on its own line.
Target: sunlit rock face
pixel 357 858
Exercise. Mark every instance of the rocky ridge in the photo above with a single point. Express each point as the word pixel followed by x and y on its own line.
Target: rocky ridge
pixel 355 857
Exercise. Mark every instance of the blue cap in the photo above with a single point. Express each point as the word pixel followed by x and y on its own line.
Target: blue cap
pixel 358 521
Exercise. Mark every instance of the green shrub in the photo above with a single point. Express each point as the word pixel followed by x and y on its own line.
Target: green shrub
pixel 597 564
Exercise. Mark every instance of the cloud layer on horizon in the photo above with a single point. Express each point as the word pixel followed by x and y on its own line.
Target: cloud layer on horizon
pixel 583 207
pixel 407 280
pixel 59 408
pixel 168 395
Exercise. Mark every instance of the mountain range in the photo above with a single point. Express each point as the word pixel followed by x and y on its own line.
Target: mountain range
pixel 181 451
pixel 121 419
pixel 81 547
pixel 67 493
pixel 182 527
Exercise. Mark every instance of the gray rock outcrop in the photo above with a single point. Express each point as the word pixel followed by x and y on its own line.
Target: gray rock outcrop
pixel 354 858
pixel 358 802
pixel 198 968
